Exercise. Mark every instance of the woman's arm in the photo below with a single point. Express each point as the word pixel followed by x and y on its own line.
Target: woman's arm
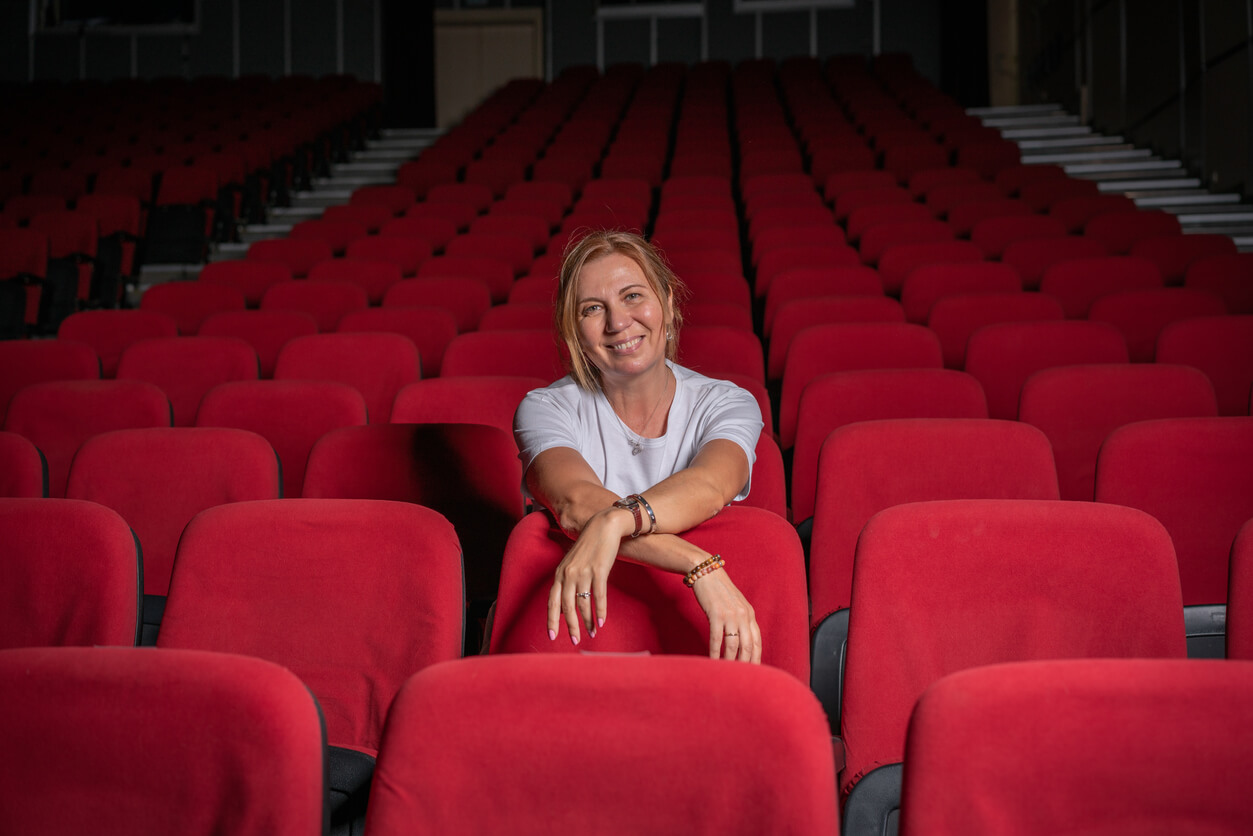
pixel 561 480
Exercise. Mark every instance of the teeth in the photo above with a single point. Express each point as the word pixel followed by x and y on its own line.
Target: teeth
pixel 629 344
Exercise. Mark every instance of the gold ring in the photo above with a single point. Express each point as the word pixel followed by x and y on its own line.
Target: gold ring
pixel 582 595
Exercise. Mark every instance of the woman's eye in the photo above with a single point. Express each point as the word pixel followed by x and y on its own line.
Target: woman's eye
pixel 634 296
pixel 590 309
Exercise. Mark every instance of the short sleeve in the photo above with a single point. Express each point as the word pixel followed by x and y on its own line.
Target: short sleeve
pixel 541 422
pixel 731 413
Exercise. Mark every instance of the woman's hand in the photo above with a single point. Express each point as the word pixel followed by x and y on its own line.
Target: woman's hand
pixel 583 575
pixel 733 630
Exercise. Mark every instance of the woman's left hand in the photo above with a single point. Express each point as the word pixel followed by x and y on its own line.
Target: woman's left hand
pixel 582 577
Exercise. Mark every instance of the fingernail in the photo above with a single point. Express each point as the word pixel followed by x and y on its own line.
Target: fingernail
pixel 552 635
pixel 592 633
pixel 600 622
pixel 574 639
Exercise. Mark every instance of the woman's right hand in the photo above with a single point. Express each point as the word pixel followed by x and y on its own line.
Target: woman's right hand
pixel 733 629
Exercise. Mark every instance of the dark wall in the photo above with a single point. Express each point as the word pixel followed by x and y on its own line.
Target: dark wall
pixel 1174 75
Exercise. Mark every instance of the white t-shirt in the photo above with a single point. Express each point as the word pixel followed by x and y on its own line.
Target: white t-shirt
pixel 565 415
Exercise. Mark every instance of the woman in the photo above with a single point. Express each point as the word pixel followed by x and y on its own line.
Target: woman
pixel 631 449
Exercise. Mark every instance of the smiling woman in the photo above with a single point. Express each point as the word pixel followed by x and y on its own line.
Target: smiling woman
pixel 631 444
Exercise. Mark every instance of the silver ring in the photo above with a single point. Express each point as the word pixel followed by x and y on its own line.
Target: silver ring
pixel 582 595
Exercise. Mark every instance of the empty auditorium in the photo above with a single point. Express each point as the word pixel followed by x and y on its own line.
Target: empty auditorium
pixel 729 417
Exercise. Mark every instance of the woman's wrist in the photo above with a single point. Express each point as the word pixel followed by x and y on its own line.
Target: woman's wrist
pixel 620 521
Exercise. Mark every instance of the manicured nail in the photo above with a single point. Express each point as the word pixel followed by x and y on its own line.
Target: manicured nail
pixel 574 639
pixel 552 635
pixel 600 622
pixel 592 633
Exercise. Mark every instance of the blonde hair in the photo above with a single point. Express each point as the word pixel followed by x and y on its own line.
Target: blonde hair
pixel 594 246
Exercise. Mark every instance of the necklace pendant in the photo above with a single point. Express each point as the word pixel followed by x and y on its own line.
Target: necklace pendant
pixel 635 448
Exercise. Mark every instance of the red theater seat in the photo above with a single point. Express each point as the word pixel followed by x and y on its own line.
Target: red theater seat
pixel 431 778
pixel 72 574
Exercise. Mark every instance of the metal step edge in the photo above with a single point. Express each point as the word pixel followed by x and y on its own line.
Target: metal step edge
pixel 1122 167
pixel 229 252
pixel 1129 186
pixel 1203 199
pixel 1242 215
pixel 1042 133
pixel 1008 109
pixel 1096 158
pixel 1031 124
pixel 1238 234
pixel 298 212
pixel 1077 145
pixel 383 155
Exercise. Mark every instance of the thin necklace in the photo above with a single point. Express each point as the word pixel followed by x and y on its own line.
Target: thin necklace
pixel 636 445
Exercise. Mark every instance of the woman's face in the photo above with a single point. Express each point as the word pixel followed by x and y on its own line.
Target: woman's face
pixel 621 321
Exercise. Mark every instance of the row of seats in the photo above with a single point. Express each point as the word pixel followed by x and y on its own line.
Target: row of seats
pixel 109 189
pixel 934 596
pixel 1189 473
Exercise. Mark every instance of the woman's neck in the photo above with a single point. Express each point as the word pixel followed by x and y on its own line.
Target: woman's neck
pixel 643 402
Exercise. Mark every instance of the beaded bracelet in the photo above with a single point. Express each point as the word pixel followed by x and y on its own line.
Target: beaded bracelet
pixel 712 564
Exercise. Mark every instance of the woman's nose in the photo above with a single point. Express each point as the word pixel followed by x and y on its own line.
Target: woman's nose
pixel 615 319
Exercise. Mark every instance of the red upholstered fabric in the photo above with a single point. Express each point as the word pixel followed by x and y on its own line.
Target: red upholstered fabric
pixel 298 254
pixel 1240 596
pixel 434 228
pixel 1077 407
pixel 833 400
pixel 191 302
pixel 651 610
pixel 862 219
pixel 23 362
pixel 490 400
pixel 944 586
pixel 534 221
pixel 954 319
pixel 879 239
pixel 1044 194
pixel 715 350
pixel 406 253
pixel 795 316
pixel 1004 355
pixel 778 261
pixel 1033 256
pixel 109 332
pixel 515 250
pixel 233 745
pixel 185 368
pixel 1174 254
pixel 58 416
pixel 851 200
pixel 993 235
pixel 541 190
pixel 465 298
pixel 23 470
pixel 1192 474
pixel 1129 745
pixel 850 347
pixel 653 724
pixel 338 234
pixel 930 282
pixel 773 238
pixel 71 574
pixel 476 195
pixel 326 301
pixel 353 596
pixel 1220 346
pixel 1075 212
pixel 430 328
pixel 159 478
pixel 252 277
pixel 371 216
pixel 396 198
pixel 1120 230
pixel 866 467
pixel 804 282
pixel 724 314
pixel 963 217
pixel 1229 276
pixel 1080 282
pixel 532 353
pixel 470 473
pixel 1142 314
pixel 899 261
pixel 290 414
pixel 942 197
pixel 497 273
pixel 266 331
pixel 372 276
pixel 376 364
